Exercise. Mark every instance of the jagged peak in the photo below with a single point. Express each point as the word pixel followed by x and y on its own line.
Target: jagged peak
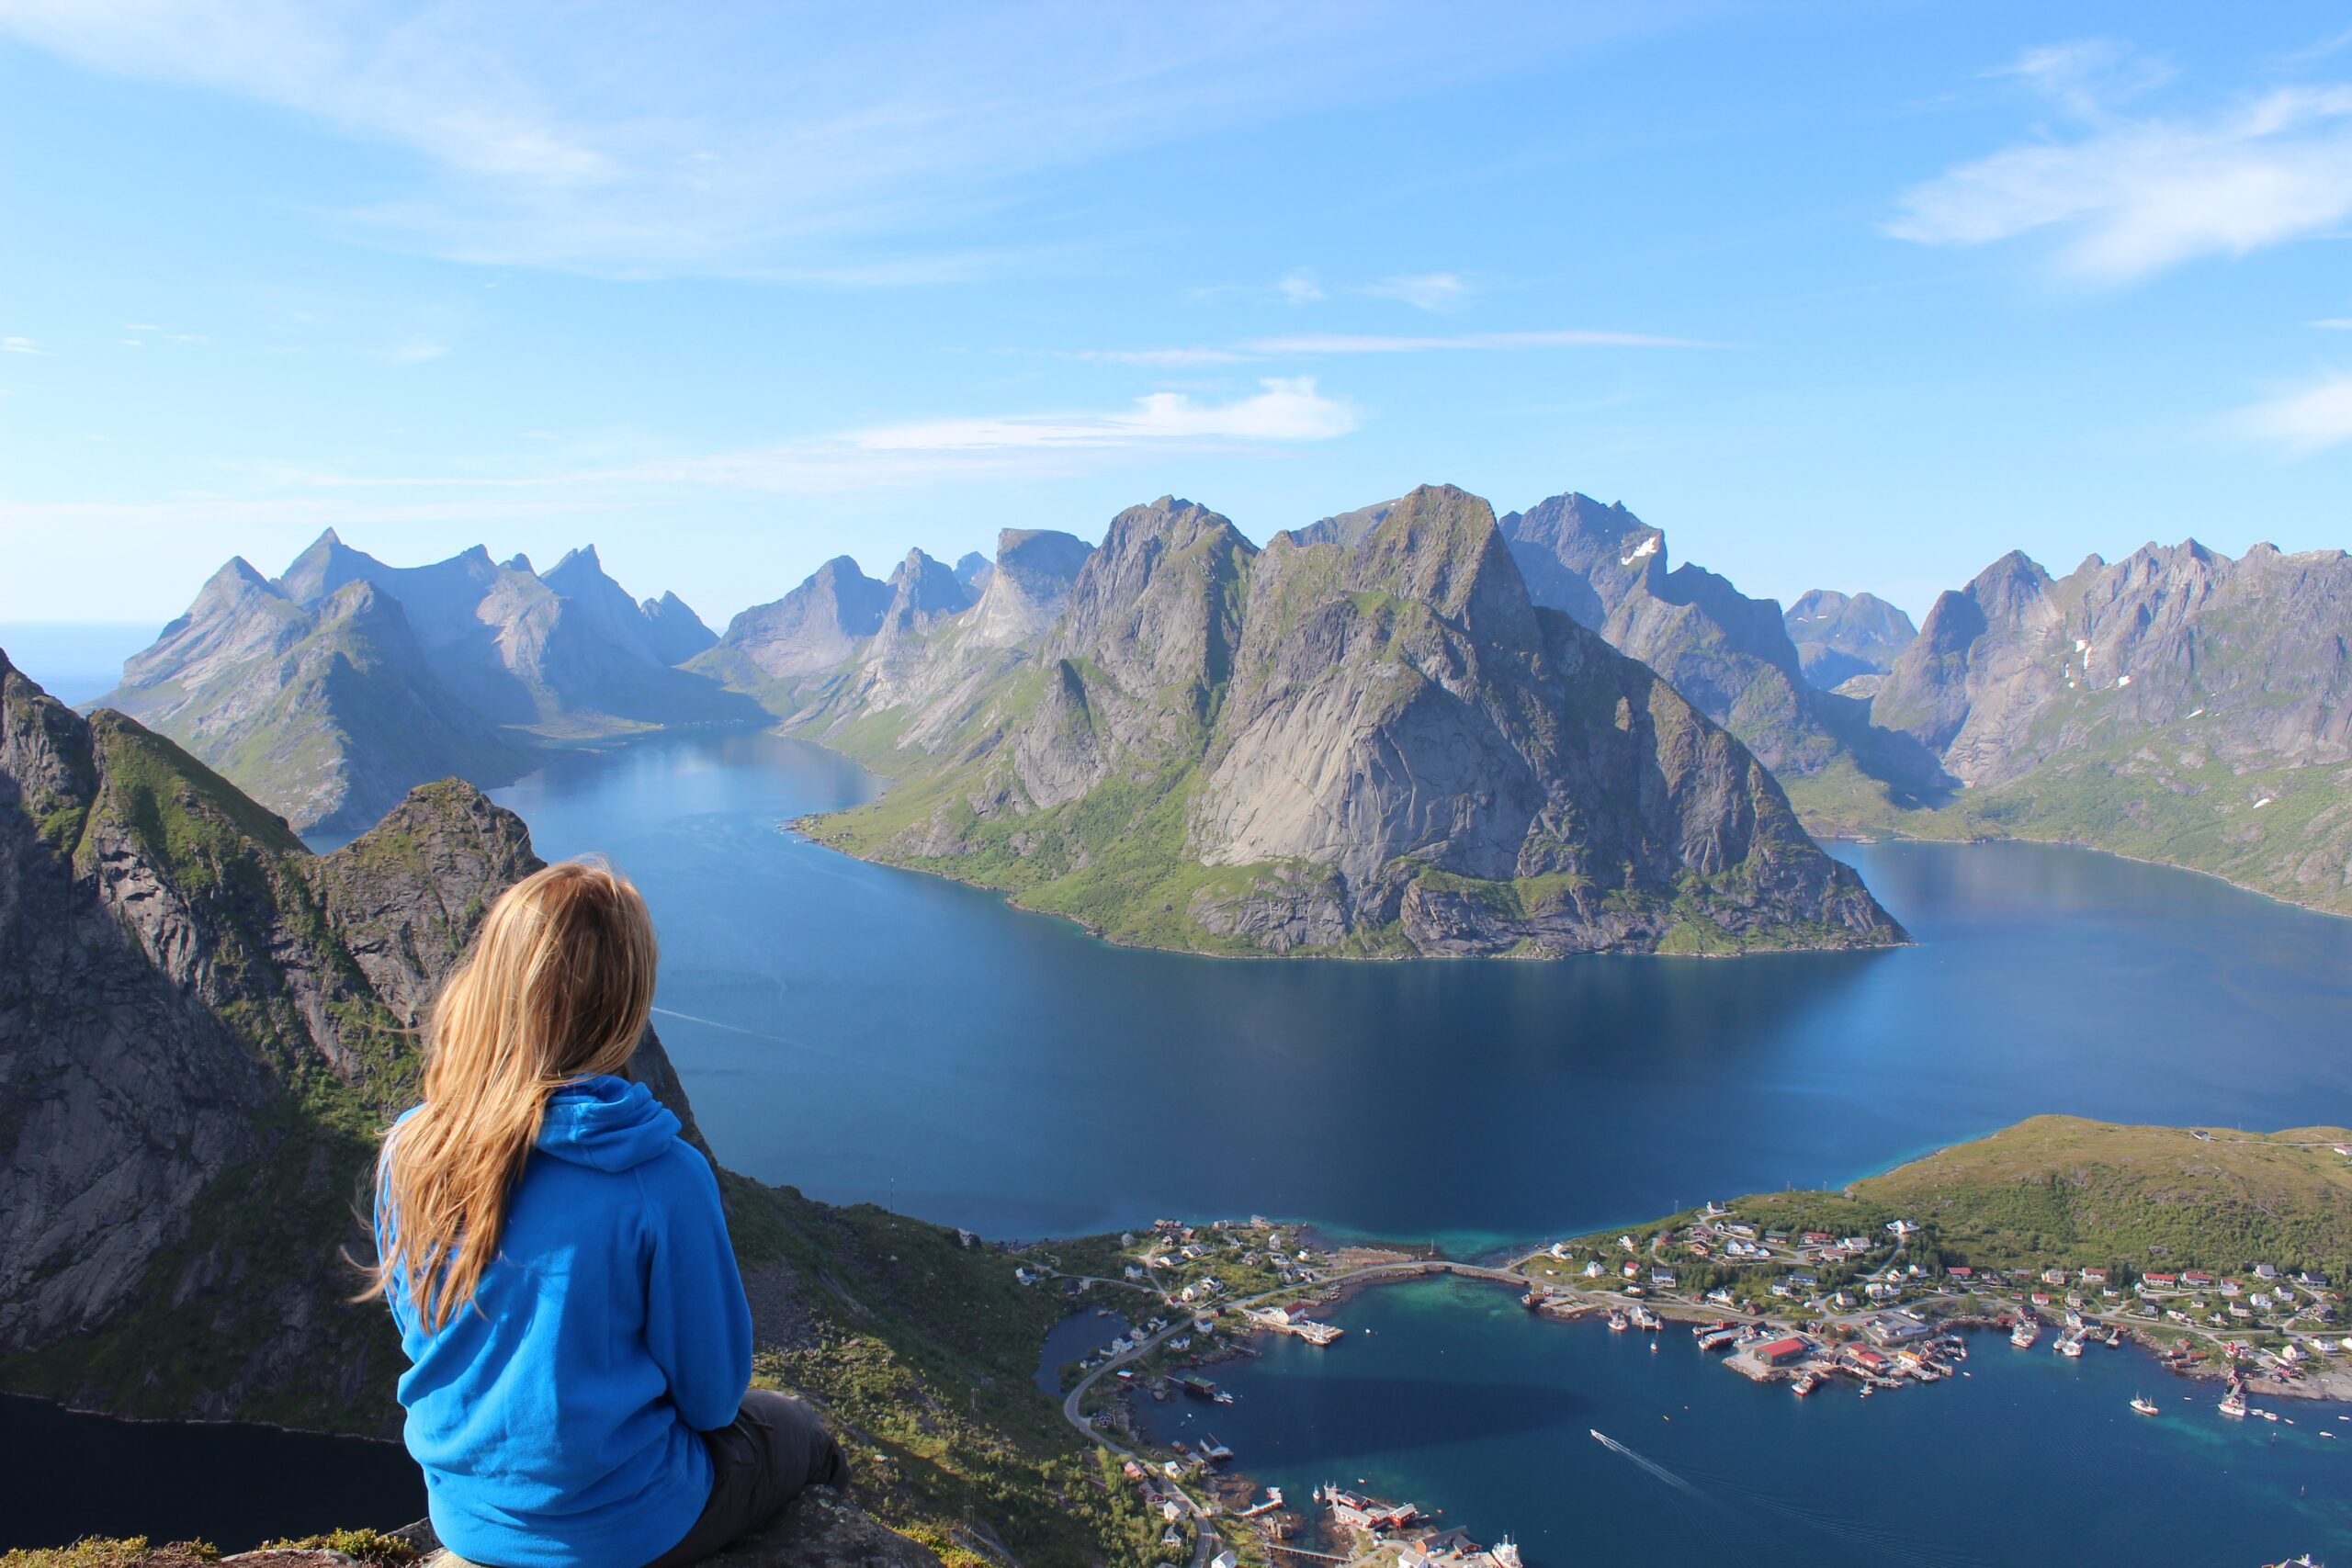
pixel 520 562
pixel 238 572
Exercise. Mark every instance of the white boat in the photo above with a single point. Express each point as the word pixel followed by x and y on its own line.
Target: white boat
pixel 2144 1405
pixel 2233 1402
pixel 2025 1334
pixel 2068 1346
pixel 1505 1553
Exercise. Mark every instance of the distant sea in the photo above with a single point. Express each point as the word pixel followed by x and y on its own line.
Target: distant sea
pixel 75 660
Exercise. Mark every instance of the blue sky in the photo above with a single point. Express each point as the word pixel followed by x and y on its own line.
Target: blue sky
pixel 1855 296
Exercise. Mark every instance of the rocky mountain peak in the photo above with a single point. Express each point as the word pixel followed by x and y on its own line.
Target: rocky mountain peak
pixel 1025 591
pixel 1840 635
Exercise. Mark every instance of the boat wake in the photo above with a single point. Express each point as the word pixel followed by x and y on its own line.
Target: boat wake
pixel 1740 1503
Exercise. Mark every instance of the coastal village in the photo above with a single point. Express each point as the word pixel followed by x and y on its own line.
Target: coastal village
pixel 1874 1311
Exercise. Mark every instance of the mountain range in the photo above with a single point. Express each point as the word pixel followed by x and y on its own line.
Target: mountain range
pixel 2201 723
pixel 203 1026
pixel 2176 706
pixel 334 689
pixel 1366 738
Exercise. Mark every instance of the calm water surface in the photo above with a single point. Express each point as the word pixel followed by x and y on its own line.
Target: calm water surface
pixel 871 1033
pixel 1450 1394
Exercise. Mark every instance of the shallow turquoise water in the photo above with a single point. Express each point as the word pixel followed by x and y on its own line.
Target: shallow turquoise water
pixel 1450 1394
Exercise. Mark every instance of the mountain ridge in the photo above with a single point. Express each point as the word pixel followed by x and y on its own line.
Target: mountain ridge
pixel 332 689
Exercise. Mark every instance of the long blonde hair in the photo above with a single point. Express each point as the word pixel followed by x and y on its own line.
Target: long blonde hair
pixel 557 986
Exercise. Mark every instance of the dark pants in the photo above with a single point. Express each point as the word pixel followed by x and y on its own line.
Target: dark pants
pixel 773 1450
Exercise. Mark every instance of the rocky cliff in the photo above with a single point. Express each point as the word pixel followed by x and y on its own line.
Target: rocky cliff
pixel 203 1027
pixel 1363 740
pixel 2175 705
pixel 331 691
pixel 1732 656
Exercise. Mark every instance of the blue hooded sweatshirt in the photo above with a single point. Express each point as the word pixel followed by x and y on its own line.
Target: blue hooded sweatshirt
pixel 559 1416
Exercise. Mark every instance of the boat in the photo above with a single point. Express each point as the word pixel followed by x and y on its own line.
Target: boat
pixel 2269 1415
pixel 1806 1385
pixel 2144 1405
pixel 1617 1324
pixel 1505 1553
pixel 2068 1346
pixel 1869 1389
pixel 1212 1451
pixel 2233 1402
pixel 2027 1331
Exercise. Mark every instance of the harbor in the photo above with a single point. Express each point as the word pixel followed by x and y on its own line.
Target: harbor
pixel 1449 1394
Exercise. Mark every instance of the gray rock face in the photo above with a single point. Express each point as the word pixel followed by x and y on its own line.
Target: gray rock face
pixel 1839 637
pixel 1023 593
pixel 809 631
pixel 1374 743
pixel 673 630
pixel 331 691
pixel 2019 668
pixel 195 1016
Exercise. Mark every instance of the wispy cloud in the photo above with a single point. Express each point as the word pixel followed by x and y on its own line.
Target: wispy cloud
pixel 794 144
pixel 1368 342
pixel 1300 287
pixel 2332 323
pixel 2303 422
pixel 1425 291
pixel 1163 358
pixel 2087 77
pixel 417 351
pixel 1315 345
pixel 2128 197
pixel 1283 411
pixel 21 346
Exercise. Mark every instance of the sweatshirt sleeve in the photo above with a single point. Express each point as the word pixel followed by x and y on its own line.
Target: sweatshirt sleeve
pixel 697 1323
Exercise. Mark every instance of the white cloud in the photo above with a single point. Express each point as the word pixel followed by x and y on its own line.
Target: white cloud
pixel 1282 409
pixel 417 351
pixel 2311 420
pixel 21 346
pixel 818 144
pixel 2087 76
pixel 1174 358
pixel 2332 323
pixel 2133 198
pixel 1427 290
pixel 1300 287
pixel 1359 343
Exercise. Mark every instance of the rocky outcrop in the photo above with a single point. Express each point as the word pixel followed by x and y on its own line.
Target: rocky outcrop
pixel 331 692
pixel 822 1529
pixel 200 1023
pixel 1375 743
pixel 1732 656
pixel 811 631
pixel 1839 637
pixel 2178 705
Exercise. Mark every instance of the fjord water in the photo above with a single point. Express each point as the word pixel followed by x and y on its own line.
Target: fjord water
pixel 865 1033
pixel 1450 1394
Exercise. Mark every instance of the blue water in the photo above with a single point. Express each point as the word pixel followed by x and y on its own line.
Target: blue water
pixel 1451 1395
pixel 64 1476
pixel 870 1033
pixel 1074 1338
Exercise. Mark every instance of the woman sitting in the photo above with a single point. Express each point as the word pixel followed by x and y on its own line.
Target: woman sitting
pixel 557 1260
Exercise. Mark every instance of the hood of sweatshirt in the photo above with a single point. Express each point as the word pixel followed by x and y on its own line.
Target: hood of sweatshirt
pixel 606 1124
